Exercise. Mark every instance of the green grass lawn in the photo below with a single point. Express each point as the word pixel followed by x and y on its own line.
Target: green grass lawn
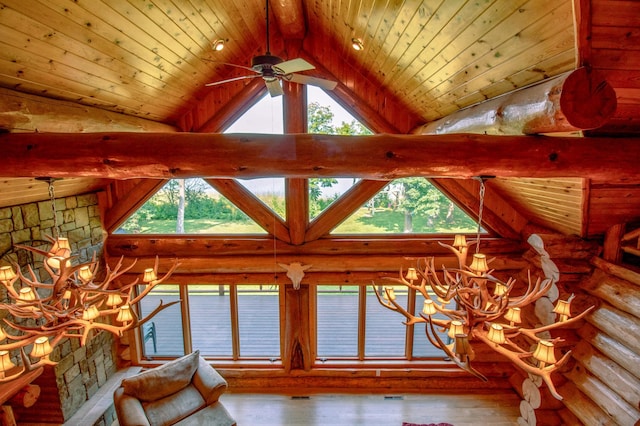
pixel 382 221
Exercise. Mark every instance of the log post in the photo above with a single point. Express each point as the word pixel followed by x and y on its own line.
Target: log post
pixel 577 100
pixel 297 343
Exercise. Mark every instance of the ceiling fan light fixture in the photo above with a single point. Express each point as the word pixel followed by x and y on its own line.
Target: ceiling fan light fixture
pixel 357 44
pixel 218 45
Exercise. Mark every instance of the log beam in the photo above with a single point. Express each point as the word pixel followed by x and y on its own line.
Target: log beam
pixel 384 156
pixel 577 100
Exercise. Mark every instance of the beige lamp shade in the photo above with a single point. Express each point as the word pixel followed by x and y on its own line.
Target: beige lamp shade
pixel 66 295
pixel 61 248
pixel 544 352
pixel 6 273
pixel 149 275
pixel 3 335
pixel 389 293
pixel 124 315
pixel 479 263
pixel 90 313
pixel 114 299
pixel 496 334
pixel 455 327
pixel 513 315
pixel 412 275
pixel 56 261
pixel 26 295
pixel 41 347
pixel 459 241
pixel 5 361
pixel 429 308
pixel 462 346
pixel 563 308
pixel 85 273
pixel 500 290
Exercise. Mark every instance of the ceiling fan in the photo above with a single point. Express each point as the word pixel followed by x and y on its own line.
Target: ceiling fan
pixel 272 69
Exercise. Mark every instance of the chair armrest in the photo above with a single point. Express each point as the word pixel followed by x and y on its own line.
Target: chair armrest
pixel 209 382
pixel 129 409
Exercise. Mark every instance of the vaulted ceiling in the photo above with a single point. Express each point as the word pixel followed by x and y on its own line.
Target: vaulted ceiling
pixel 422 60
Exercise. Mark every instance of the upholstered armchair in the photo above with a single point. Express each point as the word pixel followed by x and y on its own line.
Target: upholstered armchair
pixel 182 392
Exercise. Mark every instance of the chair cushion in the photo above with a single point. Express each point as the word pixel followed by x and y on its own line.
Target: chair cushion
pixel 173 408
pixel 162 381
pixel 212 415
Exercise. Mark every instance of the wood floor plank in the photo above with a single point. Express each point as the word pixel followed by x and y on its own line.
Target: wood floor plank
pixel 497 409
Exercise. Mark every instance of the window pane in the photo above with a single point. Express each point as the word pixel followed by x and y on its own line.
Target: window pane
pixel 337 320
pixel 408 205
pixel 259 321
pixel 210 316
pixel 167 324
pixel 385 332
pixel 421 345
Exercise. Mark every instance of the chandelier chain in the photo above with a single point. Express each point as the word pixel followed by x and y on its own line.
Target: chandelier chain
pixel 480 208
pixel 52 198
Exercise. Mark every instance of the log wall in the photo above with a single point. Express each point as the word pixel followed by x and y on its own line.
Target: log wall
pixel 571 256
pixel 604 383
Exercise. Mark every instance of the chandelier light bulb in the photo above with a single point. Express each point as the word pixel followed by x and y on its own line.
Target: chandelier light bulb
pixel 455 327
pixel 41 347
pixel 513 316
pixel 496 334
pixel 357 44
pixel 479 264
pixel 5 363
pixel 6 274
pixel 429 308
pixel 389 293
pixel 412 275
pixel 124 315
pixel 149 275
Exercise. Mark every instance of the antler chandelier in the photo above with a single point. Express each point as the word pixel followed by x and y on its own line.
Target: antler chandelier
pixel 473 305
pixel 69 305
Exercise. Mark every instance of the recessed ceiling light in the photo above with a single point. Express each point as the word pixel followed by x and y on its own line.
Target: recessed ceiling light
pixel 218 45
pixel 357 44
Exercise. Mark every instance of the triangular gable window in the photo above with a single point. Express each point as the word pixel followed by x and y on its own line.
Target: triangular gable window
pixel 205 212
pixel 326 116
pixel 409 205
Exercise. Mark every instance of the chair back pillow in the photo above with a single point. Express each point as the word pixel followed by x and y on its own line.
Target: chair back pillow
pixel 164 380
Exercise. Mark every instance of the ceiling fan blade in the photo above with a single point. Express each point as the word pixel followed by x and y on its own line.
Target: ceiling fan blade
pixel 232 79
pixel 294 65
pixel 274 87
pixel 314 81
pixel 230 65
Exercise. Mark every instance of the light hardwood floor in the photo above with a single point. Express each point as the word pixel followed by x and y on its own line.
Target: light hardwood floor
pixel 496 409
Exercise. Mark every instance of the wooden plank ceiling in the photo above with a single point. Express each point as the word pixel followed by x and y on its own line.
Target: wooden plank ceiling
pixel 421 61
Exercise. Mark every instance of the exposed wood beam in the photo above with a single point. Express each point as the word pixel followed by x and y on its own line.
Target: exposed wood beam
pixel 343 207
pixel 578 100
pixel 28 113
pixel 134 199
pixel 290 18
pixel 252 206
pixel 207 245
pixel 184 155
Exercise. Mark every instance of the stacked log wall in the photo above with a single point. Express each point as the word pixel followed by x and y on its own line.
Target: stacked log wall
pixel 604 383
pixel 571 255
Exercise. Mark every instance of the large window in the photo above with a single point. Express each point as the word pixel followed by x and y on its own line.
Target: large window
pixel 226 322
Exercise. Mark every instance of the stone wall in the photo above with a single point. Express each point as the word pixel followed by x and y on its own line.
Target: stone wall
pixel 80 370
